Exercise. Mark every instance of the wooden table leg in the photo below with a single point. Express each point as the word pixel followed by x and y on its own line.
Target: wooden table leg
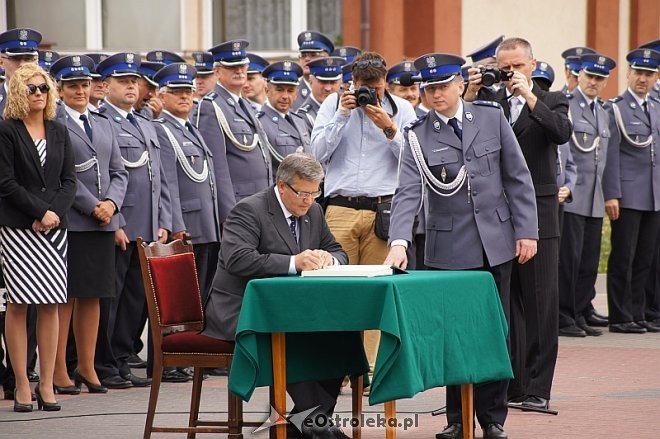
pixel 390 413
pixel 467 401
pixel 279 379
pixel 357 388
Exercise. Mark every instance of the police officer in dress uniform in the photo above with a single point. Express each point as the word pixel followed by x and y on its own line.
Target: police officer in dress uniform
pixel 579 250
pixel 311 46
pixel 98 86
pixel 285 130
pixel 188 165
pixel 349 53
pixel 205 79
pixel 407 92
pixel 254 89
pixel 148 104
pixel 146 212
pixel 631 186
pixel 485 55
pixel 325 78
pixel 231 130
pixel 572 65
pixel 480 210
pixel 17 47
pixel 543 75
pixel 164 57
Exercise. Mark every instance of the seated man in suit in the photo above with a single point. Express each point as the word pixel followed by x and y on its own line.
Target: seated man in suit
pixel 279 231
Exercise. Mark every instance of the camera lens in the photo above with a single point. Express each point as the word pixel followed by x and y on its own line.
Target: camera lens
pixel 488 78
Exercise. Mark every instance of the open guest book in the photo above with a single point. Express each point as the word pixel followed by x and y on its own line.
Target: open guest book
pixel 353 271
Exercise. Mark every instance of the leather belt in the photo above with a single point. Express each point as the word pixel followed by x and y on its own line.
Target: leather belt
pixel 359 203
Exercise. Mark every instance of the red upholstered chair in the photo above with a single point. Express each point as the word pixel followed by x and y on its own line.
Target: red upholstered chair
pixel 176 318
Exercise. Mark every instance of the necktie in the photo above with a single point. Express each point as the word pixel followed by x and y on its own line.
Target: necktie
pixel 191 130
pixel 645 106
pixel 131 118
pixel 292 226
pixel 244 107
pixel 87 126
pixel 514 104
pixel 592 106
pixel 453 122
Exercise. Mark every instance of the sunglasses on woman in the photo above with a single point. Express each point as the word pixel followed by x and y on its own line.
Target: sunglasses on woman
pixel 43 88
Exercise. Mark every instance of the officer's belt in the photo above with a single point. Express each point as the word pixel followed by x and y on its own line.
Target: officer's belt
pixel 359 203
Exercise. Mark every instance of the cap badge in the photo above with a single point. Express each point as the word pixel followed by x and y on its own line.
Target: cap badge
pixel 407 66
pixel 183 69
pixel 578 51
pixel 329 62
pixel 48 56
pixel 287 65
pixel 75 60
pixel 159 56
pixel 130 57
pixel 430 61
pixel 308 36
pixel 647 53
pixel 342 51
pixel 601 60
pixel 23 34
pixel 236 46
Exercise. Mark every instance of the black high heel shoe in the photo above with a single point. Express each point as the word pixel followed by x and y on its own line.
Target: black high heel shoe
pixel 66 390
pixel 43 405
pixel 21 408
pixel 78 379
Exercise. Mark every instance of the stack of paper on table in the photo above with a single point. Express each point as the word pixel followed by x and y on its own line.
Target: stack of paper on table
pixel 350 271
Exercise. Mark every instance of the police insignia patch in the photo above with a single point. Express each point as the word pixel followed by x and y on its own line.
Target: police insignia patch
pixel 469 116
pixel 436 125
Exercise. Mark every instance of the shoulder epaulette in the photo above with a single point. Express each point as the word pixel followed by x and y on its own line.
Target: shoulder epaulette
pixel 210 96
pixel 492 104
pixel 259 114
pixel 615 99
pixel 141 115
pixel 304 108
pixel 102 109
pixel 600 100
pixel 654 98
pixel 415 122
pixel 568 95
pixel 159 120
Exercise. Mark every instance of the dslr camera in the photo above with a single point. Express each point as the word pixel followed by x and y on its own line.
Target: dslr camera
pixel 491 75
pixel 366 96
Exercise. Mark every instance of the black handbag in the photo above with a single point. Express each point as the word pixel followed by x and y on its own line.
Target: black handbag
pixel 382 223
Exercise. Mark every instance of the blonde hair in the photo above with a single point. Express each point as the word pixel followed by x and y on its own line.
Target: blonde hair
pixel 18 106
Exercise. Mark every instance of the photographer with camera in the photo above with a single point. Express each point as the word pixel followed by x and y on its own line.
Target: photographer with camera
pixel 358 137
pixel 540 122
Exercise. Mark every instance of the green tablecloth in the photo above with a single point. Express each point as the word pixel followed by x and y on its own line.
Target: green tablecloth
pixel 438 328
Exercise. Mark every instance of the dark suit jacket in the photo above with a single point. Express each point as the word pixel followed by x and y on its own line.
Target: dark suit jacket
pixel 257 243
pixel 27 190
pixel 538 133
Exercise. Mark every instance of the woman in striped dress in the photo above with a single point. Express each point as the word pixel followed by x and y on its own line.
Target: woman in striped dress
pixel 37 188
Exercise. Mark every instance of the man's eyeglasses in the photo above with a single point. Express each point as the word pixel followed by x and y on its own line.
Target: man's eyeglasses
pixel 301 194
pixel 376 62
pixel 43 88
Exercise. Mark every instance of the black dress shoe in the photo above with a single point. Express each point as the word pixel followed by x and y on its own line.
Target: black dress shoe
pixel 495 431
pixel 452 431
pixel 595 319
pixel 78 380
pixel 116 382
pixel 174 376
pixel 572 331
pixel 137 381
pixel 627 328
pixel 534 402
pixel 650 327
pixel 135 362
pixel 592 332
pixel 33 376
pixel 599 315
pixel 218 371
pixel 66 390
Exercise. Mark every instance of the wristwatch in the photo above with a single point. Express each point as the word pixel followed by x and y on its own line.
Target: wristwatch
pixel 390 131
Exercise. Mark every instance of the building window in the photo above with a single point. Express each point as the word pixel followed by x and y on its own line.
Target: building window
pixel 325 16
pixel 266 24
pixel 60 22
pixel 141 25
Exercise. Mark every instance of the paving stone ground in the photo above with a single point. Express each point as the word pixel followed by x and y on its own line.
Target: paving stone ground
pixel 605 387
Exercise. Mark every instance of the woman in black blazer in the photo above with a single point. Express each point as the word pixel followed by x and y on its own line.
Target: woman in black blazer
pixel 37 188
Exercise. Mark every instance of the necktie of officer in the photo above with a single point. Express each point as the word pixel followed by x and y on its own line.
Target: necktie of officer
pixel 87 127
pixel 453 122
pixel 292 226
pixel 133 120
pixel 191 130
pixel 244 107
pixel 645 107
pixel 514 105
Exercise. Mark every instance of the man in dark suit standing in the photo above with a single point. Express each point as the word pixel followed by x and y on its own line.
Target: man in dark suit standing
pixel 279 231
pixel 540 122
